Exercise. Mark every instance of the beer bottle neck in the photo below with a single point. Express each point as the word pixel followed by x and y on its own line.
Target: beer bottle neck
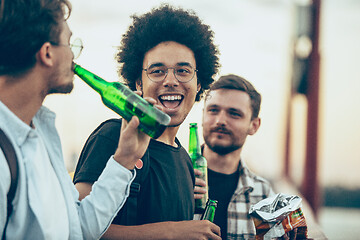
pixel 210 209
pixel 194 144
pixel 94 81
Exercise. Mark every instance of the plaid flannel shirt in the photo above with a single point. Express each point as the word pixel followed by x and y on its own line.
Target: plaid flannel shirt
pixel 250 190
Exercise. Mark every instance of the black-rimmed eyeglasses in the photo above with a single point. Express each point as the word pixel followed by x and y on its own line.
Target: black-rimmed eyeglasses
pixel 183 73
pixel 76 46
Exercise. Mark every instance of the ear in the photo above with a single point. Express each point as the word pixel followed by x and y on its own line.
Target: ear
pixel 45 54
pixel 254 126
pixel 202 118
pixel 139 85
pixel 198 87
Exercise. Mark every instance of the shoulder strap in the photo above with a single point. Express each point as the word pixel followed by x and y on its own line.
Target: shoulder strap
pixel 132 200
pixel 108 121
pixel 10 155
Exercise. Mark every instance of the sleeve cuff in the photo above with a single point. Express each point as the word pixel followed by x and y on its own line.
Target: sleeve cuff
pixel 114 168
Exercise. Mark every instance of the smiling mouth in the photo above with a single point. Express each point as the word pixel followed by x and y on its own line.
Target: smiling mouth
pixel 171 101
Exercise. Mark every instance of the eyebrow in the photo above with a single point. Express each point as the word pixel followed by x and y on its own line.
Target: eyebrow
pixel 226 109
pixel 212 106
pixel 160 64
pixel 184 64
pixel 235 110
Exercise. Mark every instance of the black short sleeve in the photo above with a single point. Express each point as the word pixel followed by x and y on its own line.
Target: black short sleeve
pixel 97 150
pixel 167 186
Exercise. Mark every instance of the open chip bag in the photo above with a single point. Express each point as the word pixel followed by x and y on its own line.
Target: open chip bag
pixel 279 216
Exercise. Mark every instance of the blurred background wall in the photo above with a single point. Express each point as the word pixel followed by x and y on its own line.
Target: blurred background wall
pixel 255 39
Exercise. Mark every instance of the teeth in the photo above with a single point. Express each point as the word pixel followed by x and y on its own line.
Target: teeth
pixel 171 97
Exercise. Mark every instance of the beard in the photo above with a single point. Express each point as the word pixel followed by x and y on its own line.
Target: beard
pixel 55 79
pixel 220 148
pixel 65 89
pixel 223 150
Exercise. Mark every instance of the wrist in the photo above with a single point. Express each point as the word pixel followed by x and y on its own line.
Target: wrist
pixel 125 162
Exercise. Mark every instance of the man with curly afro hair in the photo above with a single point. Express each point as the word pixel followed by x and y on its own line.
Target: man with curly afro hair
pixel 169 57
pixel 162 25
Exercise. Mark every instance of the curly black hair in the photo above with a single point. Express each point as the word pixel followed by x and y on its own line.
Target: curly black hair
pixel 167 23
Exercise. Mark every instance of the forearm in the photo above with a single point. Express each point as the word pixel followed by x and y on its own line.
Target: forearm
pixel 183 230
pixel 150 231
pixel 108 195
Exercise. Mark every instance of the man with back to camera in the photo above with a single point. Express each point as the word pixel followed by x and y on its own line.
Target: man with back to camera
pixel 167 54
pixel 36 60
pixel 231 113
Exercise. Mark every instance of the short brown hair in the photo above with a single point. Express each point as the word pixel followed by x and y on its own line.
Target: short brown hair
pixel 24 27
pixel 235 82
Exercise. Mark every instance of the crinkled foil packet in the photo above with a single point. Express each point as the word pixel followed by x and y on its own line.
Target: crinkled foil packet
pixel 279 216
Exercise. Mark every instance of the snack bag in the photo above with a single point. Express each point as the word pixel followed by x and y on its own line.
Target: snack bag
pixel 279 216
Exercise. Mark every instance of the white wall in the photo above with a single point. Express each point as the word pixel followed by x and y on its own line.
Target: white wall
pixel 254 38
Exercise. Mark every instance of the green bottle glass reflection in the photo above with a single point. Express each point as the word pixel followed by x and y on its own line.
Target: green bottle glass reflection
pixel 210 209
pixel 200 163
pixel 126 103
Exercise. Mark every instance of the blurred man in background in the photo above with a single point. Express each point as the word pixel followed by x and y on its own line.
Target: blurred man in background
pixel 231 113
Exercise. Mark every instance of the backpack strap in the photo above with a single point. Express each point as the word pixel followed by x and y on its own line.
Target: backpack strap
pixel 135 187
pixel 10 155
pixel 129 212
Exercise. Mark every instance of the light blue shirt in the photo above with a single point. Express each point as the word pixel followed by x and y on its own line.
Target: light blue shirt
pixel 89 218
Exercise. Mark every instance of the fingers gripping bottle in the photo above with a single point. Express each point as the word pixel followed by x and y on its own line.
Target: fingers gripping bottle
pixel 126 103
pixel 200 163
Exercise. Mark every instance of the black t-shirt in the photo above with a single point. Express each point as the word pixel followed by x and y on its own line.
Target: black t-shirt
pixel 221 188
pixel 166 194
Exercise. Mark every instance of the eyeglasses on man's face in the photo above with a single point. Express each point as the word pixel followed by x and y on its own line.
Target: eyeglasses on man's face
pixel 76 46
pixel 183 73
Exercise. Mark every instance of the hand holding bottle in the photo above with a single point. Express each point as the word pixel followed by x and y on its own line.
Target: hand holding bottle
pixel 200 185
pixel 123 101
pixel 193 230
pixel 132 142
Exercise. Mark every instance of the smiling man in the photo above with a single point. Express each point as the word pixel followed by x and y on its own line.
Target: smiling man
pixel 167 54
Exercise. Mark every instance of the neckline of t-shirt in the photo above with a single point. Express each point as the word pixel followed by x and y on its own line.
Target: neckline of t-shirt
pixel 156 143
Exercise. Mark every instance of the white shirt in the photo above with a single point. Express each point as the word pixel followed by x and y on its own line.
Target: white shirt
pixel 52 199
pixel 86 219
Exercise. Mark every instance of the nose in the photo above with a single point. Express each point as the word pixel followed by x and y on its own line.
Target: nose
pixel 221 118
pixel 170 79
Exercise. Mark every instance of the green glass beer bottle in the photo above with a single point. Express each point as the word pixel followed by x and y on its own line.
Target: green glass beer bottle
pixel 126 103
pixel 210 209
pixel 200 163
